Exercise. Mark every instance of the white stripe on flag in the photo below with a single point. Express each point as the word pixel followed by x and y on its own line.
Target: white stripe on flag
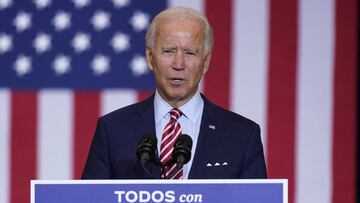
pixel 4 145
pixel 314 111
pixel 250 60
pixel 111 100
pixel 55 140
pixel 194 4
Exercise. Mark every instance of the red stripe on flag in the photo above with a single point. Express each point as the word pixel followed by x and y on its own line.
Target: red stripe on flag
pixel 344 119
pixel 23 144
pixel 217 79
pixel 282 91
pixel 86 113
pixel 142 95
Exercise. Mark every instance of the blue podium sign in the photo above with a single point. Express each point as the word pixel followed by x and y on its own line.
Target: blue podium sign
pixel 159 191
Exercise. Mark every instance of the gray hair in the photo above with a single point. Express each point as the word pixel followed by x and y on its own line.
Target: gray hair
pixel 180 13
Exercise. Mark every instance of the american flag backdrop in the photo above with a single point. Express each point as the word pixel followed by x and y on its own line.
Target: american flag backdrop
pixel 289 65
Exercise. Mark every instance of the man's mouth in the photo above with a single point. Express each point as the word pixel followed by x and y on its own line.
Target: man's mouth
pixel 176 81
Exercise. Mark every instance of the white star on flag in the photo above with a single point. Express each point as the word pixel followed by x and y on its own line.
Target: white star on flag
pixel 22 21
pixel 61 64
pixel 138 65
pixel 100 20
pixel 100 64
pixel 81 3
pixel 5 4
pixel 5 43
pixel 42 43
pixel 22 65
pixel 61 20
pixel 41 4
pixel 120 3
pixel 120 42
pixel 139 21
pixel 81 42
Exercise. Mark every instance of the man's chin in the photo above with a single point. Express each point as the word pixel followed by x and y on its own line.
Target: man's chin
pixel 180 99
pixel 176 100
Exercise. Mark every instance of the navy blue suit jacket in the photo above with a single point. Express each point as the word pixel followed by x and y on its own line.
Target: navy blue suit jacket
pixel 231 140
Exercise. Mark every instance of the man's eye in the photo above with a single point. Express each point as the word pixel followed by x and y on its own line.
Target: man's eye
pixel 190 53
pixel 168 51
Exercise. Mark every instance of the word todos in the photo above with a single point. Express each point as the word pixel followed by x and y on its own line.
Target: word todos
pixel 156 196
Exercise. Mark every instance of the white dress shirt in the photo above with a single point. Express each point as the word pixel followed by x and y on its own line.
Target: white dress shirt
pixel 189 122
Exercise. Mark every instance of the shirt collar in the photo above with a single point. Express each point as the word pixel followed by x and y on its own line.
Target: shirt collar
pixel 190 109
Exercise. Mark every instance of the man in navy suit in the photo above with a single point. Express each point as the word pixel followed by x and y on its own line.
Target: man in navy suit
pixel 179 44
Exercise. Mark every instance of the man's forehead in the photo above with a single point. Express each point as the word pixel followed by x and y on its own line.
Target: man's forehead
pixel 183 32
pixel 179 28
pixel 169 22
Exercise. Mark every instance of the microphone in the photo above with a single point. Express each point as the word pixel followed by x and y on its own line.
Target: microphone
pixel 146 149
pixel 182 150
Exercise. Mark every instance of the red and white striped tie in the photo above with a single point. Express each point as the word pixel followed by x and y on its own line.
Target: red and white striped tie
pixel 171 132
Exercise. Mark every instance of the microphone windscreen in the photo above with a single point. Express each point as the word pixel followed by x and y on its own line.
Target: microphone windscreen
pixel 147 145
pixel 182 150
pixel 184 140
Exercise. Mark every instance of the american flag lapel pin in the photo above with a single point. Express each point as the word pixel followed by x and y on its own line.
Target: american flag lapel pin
pixel 212 126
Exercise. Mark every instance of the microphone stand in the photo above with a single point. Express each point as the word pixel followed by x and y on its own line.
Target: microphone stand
pixel 157 163
pixel 162 166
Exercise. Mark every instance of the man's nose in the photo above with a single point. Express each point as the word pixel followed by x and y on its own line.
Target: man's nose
pixel 179 61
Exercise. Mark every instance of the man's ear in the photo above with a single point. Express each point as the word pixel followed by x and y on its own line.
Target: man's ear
pixel 149 58
pixel 207 63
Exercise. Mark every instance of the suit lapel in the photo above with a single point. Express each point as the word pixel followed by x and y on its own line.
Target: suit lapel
pixel 207 141
pixel 144 123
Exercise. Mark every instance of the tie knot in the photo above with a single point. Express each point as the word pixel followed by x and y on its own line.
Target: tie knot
pixel 175 113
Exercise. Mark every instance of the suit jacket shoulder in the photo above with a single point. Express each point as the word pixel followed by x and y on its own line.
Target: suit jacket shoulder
pixel 129 111
pixel 230 117
pixel 113 150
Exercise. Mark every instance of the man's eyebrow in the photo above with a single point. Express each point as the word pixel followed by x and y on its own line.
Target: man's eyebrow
pixel 192 49
pixel 168 47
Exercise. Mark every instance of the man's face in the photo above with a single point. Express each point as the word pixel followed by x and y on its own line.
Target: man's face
pixel 178 59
